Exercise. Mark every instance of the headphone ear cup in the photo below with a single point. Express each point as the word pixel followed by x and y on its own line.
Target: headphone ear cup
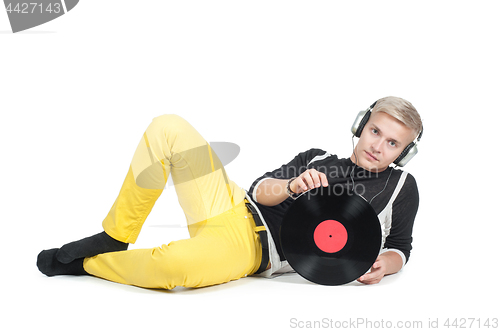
pixel 360 122
pixel 408 153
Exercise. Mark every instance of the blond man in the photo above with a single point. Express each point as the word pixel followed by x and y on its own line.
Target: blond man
pixel 234 233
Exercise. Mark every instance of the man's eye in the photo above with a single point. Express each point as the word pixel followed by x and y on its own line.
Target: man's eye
pixel 392 144
pixel 375 131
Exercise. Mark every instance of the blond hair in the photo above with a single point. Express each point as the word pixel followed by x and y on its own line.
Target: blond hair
pixel 401 110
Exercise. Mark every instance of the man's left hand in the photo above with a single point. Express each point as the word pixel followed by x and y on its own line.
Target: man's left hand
pixel 377 272
pixel 386 263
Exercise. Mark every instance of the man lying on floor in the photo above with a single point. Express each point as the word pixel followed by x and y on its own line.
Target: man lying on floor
pixel 225 241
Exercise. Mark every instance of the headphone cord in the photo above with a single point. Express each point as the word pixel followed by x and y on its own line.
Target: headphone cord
pixel 386 182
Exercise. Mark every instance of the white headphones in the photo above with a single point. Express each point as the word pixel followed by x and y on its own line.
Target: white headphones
pixel 409 151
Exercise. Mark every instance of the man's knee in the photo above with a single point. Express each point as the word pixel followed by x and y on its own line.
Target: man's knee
pixel 171 122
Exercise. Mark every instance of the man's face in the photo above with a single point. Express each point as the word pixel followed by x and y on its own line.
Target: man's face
pixel 381 142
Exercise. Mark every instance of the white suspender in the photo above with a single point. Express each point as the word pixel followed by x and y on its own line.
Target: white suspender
pixel 386 216
pixel 400 184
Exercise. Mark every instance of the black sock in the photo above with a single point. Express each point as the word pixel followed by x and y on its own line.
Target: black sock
pixel 89 247
pixel 49 265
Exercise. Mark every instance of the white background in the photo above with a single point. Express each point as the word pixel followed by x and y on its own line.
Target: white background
pixel 276 78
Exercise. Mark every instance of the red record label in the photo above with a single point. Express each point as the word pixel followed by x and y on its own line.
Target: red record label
pixel 330 236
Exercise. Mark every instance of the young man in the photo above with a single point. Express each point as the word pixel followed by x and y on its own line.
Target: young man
pixel 233 233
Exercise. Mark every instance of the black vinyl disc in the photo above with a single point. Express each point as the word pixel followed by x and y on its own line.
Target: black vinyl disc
pixel 330 238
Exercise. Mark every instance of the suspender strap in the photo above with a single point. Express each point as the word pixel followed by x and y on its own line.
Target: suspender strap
pixel 400 184
pixel 261 229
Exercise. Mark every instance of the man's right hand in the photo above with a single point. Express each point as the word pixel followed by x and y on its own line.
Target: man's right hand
pixel 308 180
pixel 273 191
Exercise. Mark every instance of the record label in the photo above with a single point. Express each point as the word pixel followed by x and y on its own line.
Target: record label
pixel 330 236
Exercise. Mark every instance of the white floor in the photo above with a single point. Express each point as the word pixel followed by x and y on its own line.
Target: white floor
pixel 77 93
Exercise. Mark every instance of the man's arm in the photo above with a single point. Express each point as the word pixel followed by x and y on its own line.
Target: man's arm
pixel 273 191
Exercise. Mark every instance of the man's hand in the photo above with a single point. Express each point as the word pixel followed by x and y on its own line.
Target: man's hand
pixel 308 180
pixel 273 191
pixel 376 274
pixel 387 263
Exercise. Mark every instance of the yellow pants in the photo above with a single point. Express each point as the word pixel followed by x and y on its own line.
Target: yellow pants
pixel 223 243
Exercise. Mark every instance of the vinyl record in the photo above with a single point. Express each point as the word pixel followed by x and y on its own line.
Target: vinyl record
pixel 330 239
